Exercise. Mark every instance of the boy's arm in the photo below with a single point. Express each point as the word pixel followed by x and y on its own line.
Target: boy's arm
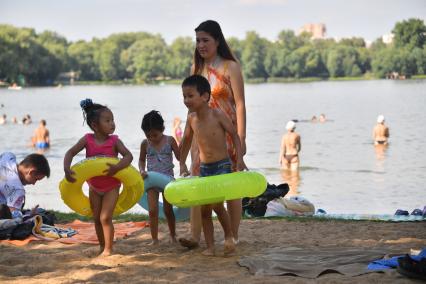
pixel 124 162
pixel 229 127
pixel 142 158
pixel 74 150
pixel 185 146
pixel 175 148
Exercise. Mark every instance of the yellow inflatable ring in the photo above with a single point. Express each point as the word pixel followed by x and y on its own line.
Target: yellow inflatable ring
pixel 188 192
pixel 73 196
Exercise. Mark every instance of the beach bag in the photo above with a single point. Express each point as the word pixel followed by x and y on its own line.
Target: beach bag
pixel 49 218
pixel 22 231
pixel 276 208
pixel 256 207
pixel 5 234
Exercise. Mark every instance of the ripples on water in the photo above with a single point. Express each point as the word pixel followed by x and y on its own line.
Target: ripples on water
pixel 340 170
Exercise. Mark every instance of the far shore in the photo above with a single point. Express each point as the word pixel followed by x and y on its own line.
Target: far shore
pixel 247 81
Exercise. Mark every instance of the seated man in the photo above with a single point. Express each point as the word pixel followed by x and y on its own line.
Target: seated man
pixel 13 177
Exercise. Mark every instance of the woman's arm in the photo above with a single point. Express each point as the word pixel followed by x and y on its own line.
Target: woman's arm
pixel 282 150
pixel 237 84
pixel 229 127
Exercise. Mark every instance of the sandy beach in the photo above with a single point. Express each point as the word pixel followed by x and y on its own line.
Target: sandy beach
pixel 137 262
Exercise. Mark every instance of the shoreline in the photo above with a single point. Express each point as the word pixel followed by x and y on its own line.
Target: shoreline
pixel 251 81
pixel 135 261
pixel 63 217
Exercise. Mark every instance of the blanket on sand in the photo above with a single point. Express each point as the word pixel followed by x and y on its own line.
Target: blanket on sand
pixel 311 262
pixel 86 233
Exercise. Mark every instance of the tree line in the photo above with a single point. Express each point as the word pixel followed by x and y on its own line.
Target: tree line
pixel 39 58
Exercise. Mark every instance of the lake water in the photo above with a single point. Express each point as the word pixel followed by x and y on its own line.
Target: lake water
pixel 341 171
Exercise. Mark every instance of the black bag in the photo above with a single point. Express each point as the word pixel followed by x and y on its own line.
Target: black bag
pixel 256 207
pixel 5 234
pixel 49 218
pixel 22 231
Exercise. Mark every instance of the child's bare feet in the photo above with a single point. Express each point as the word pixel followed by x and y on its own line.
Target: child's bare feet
pixel 188 243
pixel 105 253
pixel 229 247
pixel 173 239
pixel 154 243
pixel 208 252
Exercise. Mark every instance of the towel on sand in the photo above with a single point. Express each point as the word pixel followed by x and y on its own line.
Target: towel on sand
pixel 86 233
pixel 311 262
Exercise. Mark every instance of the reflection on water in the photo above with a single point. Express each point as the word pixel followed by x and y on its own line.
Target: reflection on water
pixel 293 180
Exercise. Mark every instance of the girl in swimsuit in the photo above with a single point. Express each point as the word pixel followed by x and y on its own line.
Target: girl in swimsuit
pixel 103 190
pixel 157 155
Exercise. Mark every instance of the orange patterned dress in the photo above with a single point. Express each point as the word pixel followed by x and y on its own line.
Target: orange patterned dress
pixel 221 97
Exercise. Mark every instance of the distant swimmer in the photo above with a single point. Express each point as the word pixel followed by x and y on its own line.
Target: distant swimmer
pixel 381 132
pixel 322 118
pixel 27 119
pixel 41 139
pixel 290 148
pixel 3 119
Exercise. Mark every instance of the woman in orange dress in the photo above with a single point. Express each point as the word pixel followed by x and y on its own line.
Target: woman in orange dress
pixel 214 60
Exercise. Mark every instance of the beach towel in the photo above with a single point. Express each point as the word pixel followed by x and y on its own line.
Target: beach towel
pixel 312 262
pixel 373 217
pixel 85 233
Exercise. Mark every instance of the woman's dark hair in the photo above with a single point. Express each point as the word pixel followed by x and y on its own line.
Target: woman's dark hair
pixel 212 28
pixel 92 112
pixel 152 120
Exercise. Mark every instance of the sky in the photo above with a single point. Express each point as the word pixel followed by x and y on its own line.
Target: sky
pixel 85 19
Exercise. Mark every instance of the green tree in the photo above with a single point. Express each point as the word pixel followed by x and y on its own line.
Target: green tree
pixel 147 59
pixel 253 56
pixel 410 33
pixel 82 59
pixel 179 64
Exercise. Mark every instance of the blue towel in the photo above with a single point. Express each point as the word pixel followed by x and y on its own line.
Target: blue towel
pixel 381 264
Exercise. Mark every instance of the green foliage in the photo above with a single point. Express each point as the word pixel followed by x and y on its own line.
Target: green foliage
pixel 38 59
pixel 181 53
pixel 253 55
pixel 410 34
